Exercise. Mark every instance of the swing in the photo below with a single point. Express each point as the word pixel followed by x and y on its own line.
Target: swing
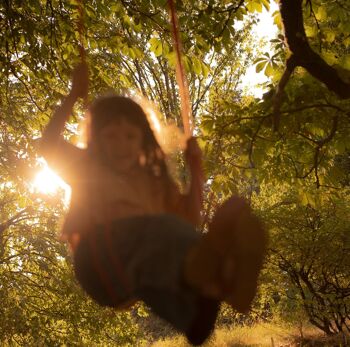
pixel 233 216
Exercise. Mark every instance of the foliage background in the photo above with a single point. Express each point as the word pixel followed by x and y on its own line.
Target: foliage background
pixel 296 178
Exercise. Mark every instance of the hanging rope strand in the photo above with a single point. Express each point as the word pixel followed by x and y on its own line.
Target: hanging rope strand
pixel 82 33
pixel 81 30
pixel 186 110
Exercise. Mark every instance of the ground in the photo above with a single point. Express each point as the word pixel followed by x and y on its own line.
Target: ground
pixel 260 335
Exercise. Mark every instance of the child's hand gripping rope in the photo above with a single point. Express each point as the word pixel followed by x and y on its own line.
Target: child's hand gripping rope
pixel 80 81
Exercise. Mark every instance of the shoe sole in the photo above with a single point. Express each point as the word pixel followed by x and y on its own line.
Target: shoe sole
pixel 238 238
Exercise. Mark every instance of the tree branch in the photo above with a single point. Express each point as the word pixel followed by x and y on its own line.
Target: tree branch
pixel 277 100
pixel 292 18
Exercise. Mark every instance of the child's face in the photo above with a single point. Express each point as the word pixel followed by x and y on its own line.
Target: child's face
pixel 121 142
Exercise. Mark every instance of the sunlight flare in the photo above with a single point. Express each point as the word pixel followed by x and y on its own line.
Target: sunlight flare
pixel 48 182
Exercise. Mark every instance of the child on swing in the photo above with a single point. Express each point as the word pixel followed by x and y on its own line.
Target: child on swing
pixel 133 234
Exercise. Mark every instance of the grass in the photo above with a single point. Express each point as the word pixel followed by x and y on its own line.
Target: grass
pixel 260 335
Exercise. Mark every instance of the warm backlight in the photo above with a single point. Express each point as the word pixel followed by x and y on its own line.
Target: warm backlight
pixel 47 181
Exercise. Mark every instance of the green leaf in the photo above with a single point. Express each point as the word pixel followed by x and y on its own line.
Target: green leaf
pixel 125 50
pixel 156 46
pixel 197 66
pixel 330 57
pixel 205 69
pixel 171 56
pixel 345 62
pixel 269 70
pixel 311 31
pixel 329 35
pixel 341 146
pixel 266 4
pixel 257 60
pixel 317 131
pixel 346 42
pixel 277 19
pixel 259 67
pixel 127 20
pixel 254 6
pixel 115 7
pixel 321 13
pixel 303 198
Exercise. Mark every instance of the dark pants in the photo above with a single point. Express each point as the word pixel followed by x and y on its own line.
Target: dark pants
pixel 143 258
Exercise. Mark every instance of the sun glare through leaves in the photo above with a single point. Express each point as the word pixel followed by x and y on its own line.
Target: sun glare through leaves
pixel 48 182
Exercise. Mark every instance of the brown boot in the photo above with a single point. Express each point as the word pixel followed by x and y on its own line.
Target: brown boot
pixel 227 261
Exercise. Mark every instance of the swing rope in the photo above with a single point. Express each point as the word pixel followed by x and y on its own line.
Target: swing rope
pixel 186 110
pixel 81 31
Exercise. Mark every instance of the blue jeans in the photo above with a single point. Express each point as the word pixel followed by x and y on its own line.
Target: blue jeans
pixel 143 258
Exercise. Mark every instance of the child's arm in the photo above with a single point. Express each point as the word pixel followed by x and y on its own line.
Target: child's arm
pixel 59 153
pixel 192 202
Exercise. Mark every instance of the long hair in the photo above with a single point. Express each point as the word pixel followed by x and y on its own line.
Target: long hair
pixel 108 109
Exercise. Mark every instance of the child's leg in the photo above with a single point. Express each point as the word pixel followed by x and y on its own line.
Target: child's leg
pixel 192 315
pixel 161 283
pixel 204 322
pixel 227 261
pixel 95 272
pixel 173 307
